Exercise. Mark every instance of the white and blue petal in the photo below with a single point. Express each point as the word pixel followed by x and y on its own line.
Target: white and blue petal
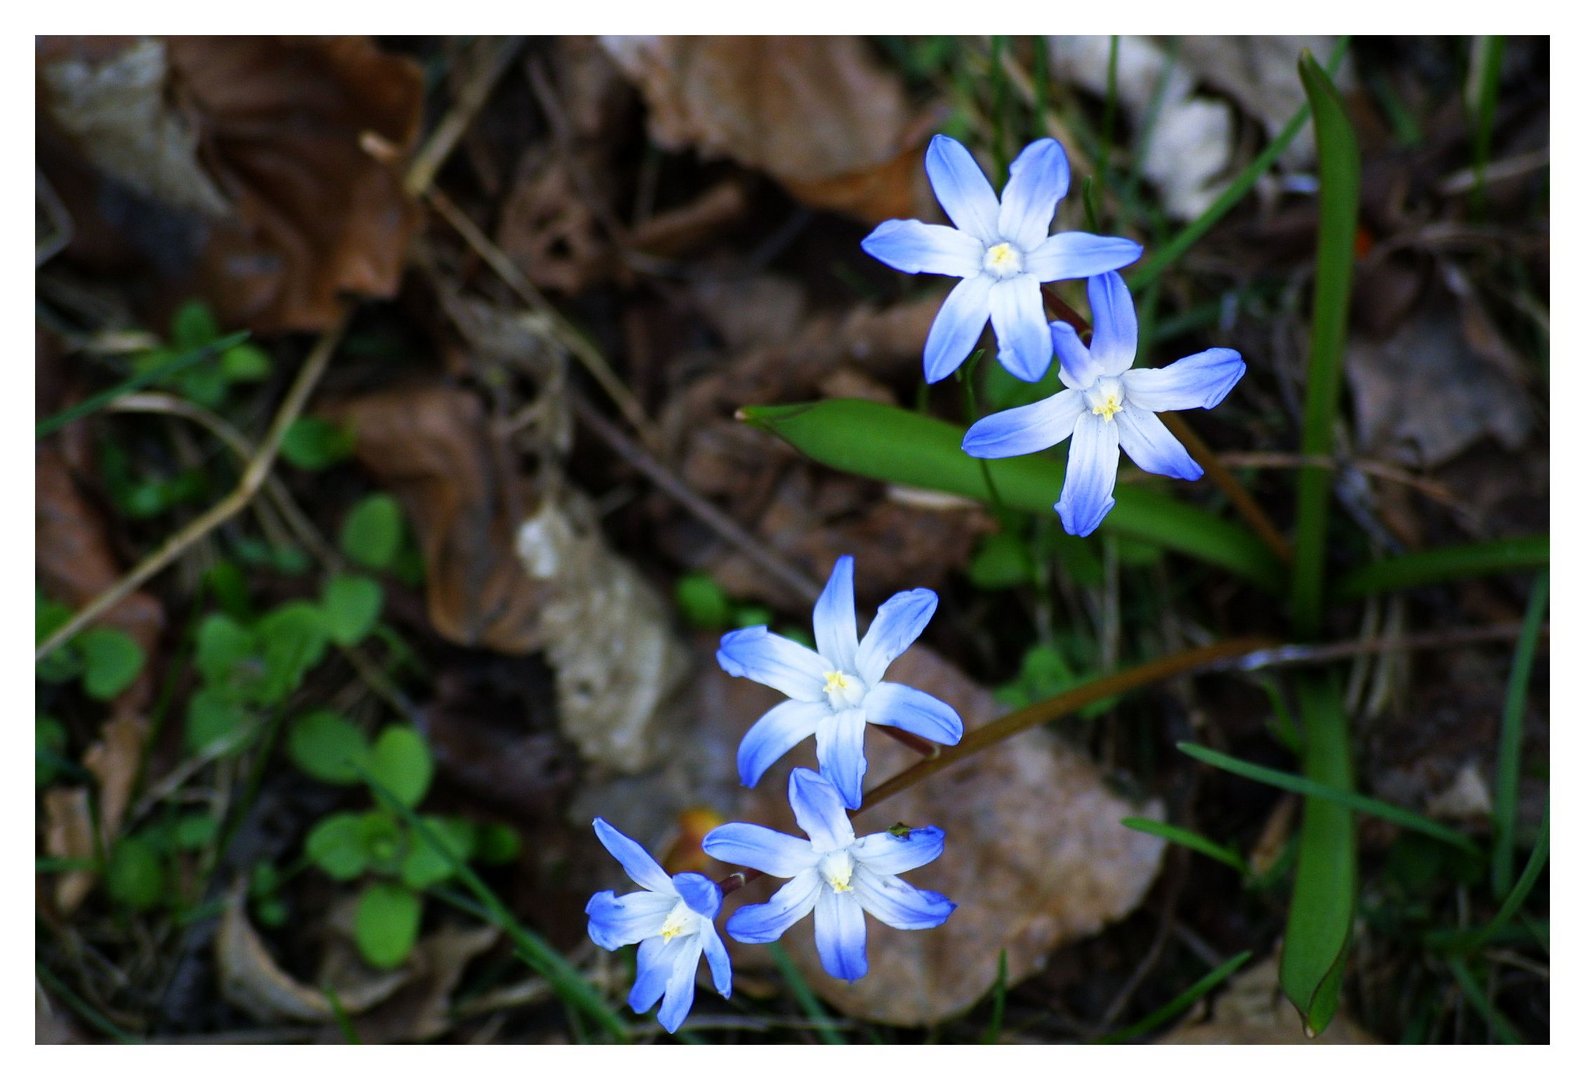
pixel 1092 473
pixel 746 844
pixel 756 924
pixel 839 748
pixel 839 935
pixel 1036 181
pixel 716 955
pixel 818 807
pixel 1026 429
pixel 836 627
pixel 1080 368
pixel 638 863
pixel 1023 336
pixel 1195 382
pixel 917 248
pixel 1067 256
pixel 679 986
pixel 702 895
pixel 914 711
pixel 898 904
pixel 615 920
pixel 898 623
pixel 1148 443
pixel 1116 335
pixel 962 189
pixel 775 733
pixel 774 661
pixel 890 853
pixel 656 959
pixel 958 326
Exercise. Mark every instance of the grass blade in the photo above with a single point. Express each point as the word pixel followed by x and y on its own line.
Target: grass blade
pixel 1506 798
pixel 54 423
pixel 901 447
pixel 567 980
pixel 993 1030
pixel 1332 793
pixel 1446 564
pixel 805 997
pixel 1498 1023
pixel 1191 840
pixel 1180 1003
pixel 1468 942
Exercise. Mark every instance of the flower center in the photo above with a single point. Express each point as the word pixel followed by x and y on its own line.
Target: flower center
pixel 837 868
pixel 680 921
pixel 1003 261
pixel 844 691
pixel 1105 398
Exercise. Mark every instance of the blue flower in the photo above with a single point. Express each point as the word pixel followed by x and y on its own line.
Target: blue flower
pixel 1108 404
pixel 1002 252
pixel 833 874
pixel 837 690
pixel 673 923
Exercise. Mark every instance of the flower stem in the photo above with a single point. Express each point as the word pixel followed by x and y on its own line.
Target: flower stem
pixel 1237 493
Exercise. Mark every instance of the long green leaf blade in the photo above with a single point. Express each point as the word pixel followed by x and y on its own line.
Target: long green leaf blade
pixel 1447 564
pixel 883 442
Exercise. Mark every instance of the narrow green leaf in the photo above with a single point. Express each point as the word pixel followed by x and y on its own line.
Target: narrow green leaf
pixel 1505 803
pixel 1191 840
pixel 1338 153
pixel 891 444
pixel 1500 1025
pixel 386 924
pixel 993 1030
pixel 1210 981
pixel 805 997
pixel 1447 564
pixel 1468 941
pixel 1321 913
pixel 1332 793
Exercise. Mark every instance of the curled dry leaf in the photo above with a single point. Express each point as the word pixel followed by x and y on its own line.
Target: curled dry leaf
pixel 238 162
pixel 429 446
pixel 69 834
pixel 610 638
pixel 421 1009
pixel 1035 857
pixel 115 760
pixel 817 113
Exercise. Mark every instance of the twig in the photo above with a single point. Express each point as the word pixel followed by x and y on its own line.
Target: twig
pixel 1275 460
pixel 253 477
pixel 470 99
pixel 730 531
pixel 1237 493
pixel 1297 655
pixel 580 347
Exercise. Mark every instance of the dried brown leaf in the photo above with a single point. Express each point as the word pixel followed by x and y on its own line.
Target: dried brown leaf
pixel 1252 1011
pixel 115 760
pixel 1034 858
pixel 69 834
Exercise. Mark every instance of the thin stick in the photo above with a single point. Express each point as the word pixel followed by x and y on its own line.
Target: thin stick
pixel 470 99
pixel 1302 655
pixel 1237 493
pixel 580 347
pixel 253 477
pixel 804 586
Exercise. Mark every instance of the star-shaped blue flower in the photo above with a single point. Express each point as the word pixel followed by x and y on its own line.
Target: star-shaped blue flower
pixel 1108 404
pixel 673 923
pixel 1002 252
pixel 837 690
pixel 834 874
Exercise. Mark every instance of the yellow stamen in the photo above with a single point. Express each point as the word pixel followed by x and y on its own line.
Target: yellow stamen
pixel 1001 257
pixel 836 682
pixel 1108 408
pixel 676 923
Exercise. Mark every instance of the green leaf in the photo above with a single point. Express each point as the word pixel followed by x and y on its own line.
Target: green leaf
pixel 703 603
pixel 425 863
pixel 1447 564
pixel 214 716
pixel 498 844
pixel 1191 840
pixel 891 444
pixel 222 646
pixel 195 831
pixel 49 743
pixel 229 586
pixel 312 443
pixel 1505 799
pixel 337 846
pixel 387 923
pixel 372 531
pixel 193 326
pixel 135 876
pixel 1201 987
pixel 294 640
pixel 245 363
pixel 1002 562
pixel 350 606
pixel 401 764
pixel 328 747
pixel 383 840
pixel 111 660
